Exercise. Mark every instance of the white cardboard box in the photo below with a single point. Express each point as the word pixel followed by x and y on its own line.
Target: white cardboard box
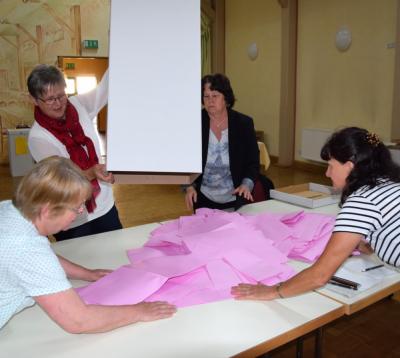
pixel 309 195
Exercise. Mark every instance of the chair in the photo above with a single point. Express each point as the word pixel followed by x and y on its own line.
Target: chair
pixel 265 160
pixel 262 187
pixel 263 184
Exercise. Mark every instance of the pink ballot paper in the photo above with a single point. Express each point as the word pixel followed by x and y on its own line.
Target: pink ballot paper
pixel 197 259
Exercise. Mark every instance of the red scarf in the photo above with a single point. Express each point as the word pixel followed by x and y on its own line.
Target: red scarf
pixel 70 133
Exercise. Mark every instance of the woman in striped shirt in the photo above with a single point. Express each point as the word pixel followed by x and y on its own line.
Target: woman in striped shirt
pixel 360 165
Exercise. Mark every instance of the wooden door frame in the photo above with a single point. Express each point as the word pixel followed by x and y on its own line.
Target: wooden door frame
pixel 102 117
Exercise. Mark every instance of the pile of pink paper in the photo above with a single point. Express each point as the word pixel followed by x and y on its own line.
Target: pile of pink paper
pixel 197 259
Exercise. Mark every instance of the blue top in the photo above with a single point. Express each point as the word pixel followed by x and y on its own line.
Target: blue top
pixel 28 265
pixel 217 182
pixel 244 157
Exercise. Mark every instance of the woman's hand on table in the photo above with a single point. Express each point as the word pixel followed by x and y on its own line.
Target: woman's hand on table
pixel 190 197
pixel 243 190
pixel 96 274
pixel 78 272
pixel 246 291
pixel 150 311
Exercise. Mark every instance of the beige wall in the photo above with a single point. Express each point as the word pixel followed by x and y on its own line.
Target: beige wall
pixel 345 88
pixel 256 83
pixel 333 88
pixel 95 25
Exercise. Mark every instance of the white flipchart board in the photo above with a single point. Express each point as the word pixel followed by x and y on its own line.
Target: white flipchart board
pixel 154 110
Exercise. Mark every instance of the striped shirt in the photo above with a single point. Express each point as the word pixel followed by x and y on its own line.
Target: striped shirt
pixel 375 214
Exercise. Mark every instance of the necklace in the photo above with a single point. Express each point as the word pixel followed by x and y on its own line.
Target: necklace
pixel 219 123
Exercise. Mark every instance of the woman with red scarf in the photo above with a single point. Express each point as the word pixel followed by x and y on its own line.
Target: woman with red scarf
pixel 64 127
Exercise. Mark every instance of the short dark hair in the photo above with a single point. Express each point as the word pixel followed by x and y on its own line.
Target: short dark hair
pixel 371 158
pixel 219 82
pixel 42 77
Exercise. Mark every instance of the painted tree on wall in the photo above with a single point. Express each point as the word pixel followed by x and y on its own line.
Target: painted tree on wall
pixel 34 32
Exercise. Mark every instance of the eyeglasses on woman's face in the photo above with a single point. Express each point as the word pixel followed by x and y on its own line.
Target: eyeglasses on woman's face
pixel 52 100
pixel 78 210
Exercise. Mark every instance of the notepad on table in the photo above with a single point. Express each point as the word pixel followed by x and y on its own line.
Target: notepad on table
pixel 353 269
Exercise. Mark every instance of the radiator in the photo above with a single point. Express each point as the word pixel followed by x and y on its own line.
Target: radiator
pixel 312 140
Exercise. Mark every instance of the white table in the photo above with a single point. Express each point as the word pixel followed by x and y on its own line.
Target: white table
pixel 107 250
pixel 386 287
pixel 218 329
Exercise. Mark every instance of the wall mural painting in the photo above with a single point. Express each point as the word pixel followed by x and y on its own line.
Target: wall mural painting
pixel 45 30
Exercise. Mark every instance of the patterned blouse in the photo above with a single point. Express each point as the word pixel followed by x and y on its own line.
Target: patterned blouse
pixel 217 184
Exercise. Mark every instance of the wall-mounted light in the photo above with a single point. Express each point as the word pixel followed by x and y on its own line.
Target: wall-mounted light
pixel 343 38
pixel 252 51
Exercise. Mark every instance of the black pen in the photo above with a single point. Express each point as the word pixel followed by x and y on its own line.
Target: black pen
pixel 342 285
pixel 372 268
pixel 344 281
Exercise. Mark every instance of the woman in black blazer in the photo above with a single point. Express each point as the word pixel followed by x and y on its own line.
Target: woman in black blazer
pixel 230 152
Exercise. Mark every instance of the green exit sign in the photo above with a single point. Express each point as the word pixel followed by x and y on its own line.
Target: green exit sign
pixel 70 66
pixel 91 44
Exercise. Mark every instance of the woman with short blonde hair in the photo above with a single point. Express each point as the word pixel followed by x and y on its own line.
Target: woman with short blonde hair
pixel 57 182
pixel 48 199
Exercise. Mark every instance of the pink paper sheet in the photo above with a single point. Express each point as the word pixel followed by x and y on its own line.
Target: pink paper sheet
pixel 123 286
pixel 196 259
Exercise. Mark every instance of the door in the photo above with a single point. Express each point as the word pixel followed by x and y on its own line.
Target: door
pixel 83 73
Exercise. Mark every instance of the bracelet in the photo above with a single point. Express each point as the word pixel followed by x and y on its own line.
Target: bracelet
pixel 278 290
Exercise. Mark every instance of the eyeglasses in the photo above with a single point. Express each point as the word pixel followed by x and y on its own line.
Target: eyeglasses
pixel 50 101
pixel 79 210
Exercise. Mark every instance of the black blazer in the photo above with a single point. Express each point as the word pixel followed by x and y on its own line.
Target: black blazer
pixel 244 156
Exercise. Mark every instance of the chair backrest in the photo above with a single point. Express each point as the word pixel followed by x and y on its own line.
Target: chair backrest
pixel 265 160
pixel 261 189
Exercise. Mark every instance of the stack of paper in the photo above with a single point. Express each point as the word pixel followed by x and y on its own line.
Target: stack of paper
pixel 197 259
